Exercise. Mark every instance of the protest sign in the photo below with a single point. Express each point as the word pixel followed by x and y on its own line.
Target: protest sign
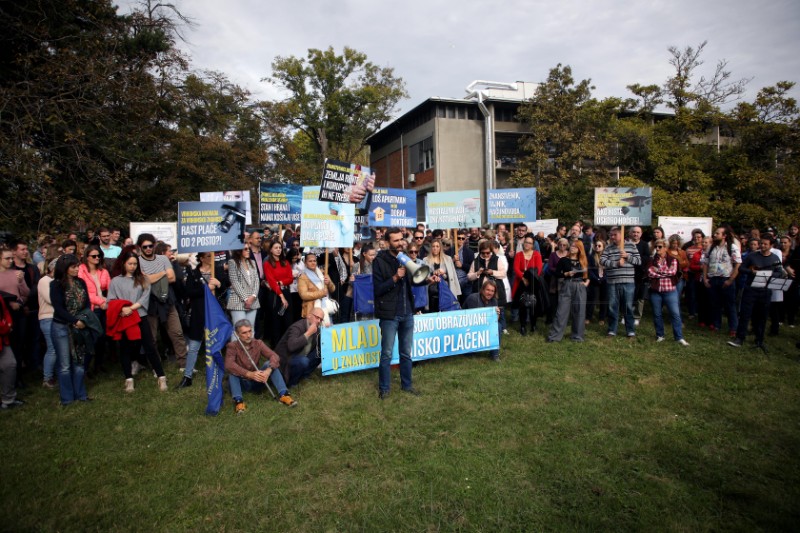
pixel 546 226
pixel 325 224
pixel 345 183
pixel 453 210
pixel 279 203
pixel 228 197
pixel 683 226
pixel 623 206
pixel 210 226
pixel 162 231
pixel 357 345
pixel 511 205
pixel 393 208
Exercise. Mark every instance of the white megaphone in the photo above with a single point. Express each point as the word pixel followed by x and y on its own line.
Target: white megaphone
pixel 419 273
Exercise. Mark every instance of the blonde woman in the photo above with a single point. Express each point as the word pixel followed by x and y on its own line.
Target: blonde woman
pixel 442 267
pixel 572 273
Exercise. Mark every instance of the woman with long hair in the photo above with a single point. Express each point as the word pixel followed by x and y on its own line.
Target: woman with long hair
pixel 314 288
pixel 46 324
pixel 694 285
pixel 560 252
pixel 663 272
pixel 597 293
pixel 129 295
pixel 442 267
pixel 69 298
pixel 675 250
pixel 658 234
pixel 279 278
pixel 243 273
pixel 525 260
pixel 197 279
pixel 572 273
pixel 94 274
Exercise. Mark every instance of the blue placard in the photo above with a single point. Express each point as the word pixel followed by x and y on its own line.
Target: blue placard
pixel 210 226
pixel 357 345
pixel 325 224
pixel 393 208
pixel 511 205
pixel 279 203
pixel 453 210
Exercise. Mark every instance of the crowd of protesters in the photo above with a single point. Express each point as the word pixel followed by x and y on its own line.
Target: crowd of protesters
pixel 80 302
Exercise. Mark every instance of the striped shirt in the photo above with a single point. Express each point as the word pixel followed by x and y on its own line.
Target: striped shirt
pixel 616 273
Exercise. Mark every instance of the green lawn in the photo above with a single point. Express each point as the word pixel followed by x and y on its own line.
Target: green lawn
pixel 611 434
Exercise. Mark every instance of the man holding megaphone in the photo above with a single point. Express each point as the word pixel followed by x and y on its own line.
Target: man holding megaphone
pixel 394 307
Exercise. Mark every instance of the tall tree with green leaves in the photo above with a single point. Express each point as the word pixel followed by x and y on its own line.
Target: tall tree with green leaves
pixel 335 101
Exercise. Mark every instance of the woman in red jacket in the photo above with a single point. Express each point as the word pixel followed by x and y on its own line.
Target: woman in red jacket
pixel 279 278
pixel 524 260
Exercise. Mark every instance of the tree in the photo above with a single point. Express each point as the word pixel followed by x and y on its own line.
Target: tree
pixel 569 144
pixel 335 101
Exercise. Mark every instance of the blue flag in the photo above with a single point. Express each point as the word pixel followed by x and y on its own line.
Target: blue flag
pixel 447 300
pixel 218 333
pixel 364 294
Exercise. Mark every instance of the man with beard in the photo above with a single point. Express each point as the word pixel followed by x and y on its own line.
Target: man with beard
pixel 161 310
pixel 394 307
pixel 720 268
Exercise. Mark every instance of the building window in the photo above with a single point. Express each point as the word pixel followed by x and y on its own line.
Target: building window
pixel 421 155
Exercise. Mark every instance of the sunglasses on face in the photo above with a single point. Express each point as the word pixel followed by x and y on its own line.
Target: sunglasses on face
pixel 462 238
pixel 418 238
pixel 94 256
pixel 147 246
pixel 486 253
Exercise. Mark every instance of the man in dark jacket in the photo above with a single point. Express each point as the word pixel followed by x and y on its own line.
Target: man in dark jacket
pixel 298 349
pixel 394 307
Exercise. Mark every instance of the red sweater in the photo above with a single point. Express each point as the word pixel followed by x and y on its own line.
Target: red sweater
pixel 278 273
pixel 116 324
pixel 520 266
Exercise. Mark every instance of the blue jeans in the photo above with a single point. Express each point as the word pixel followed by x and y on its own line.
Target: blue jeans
pixel 193 348
pixel 401 327
pixel 239 315
pixel 300 367
pixel 723 297
pixel 238 384
pixel 620 293
pixel 49 362
pixel 71 386
pixel 671 300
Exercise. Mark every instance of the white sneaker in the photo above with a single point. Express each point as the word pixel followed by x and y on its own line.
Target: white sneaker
pixel 135 368
pixel 505 332
pixel 636 322
pixel 129 385
pixel 659 339
pixel 631 334
pixel 194 370
pixel 683 342
pixel 162 384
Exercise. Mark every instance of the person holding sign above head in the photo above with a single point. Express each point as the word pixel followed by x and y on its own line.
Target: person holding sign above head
pixel 619 260
pixel 394 307
pixel 756 297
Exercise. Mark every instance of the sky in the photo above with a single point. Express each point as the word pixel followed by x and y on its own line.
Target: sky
pixel 439 46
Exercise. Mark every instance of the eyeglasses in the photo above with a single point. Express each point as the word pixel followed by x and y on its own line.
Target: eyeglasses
pixel 147 246
pixel 94 256
pixel 659 247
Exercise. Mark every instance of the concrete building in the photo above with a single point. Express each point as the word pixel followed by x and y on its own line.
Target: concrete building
pixel 450 144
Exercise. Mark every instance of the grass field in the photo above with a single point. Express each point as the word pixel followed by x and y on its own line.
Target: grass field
pixel 611 434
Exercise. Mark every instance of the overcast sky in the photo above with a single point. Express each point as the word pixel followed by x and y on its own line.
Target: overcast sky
pixel 439 46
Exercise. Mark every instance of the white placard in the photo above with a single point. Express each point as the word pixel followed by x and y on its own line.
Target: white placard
pixel 683 226
pixel 162 231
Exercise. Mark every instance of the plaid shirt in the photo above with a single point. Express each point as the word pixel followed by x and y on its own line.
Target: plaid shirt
pixel 663 271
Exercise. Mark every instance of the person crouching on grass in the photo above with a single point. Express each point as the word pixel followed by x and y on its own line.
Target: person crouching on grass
pixel 486 298
pixel 242 356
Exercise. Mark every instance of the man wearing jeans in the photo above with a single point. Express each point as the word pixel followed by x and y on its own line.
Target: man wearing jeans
pixel 242 357
pixel 620 259
pixel 394 307
pixel 720 268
